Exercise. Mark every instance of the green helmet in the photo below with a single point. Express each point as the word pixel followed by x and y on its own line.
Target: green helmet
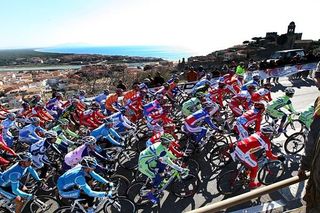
pixel 63 121
pixel 166 138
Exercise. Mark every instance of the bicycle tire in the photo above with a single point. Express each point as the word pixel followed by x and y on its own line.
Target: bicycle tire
pixel 120 182
pixel 295 143
pixel 136 196
pixel 126 205
pixel 34 208
pixel 193 166
pixel 181 188
pixel 228 182
pixel 220 156
pixel 271 172
pixel 293 127
pixel 130 163
pixel 139 177
pixel 67 209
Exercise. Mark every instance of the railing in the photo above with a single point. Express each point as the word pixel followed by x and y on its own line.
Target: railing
pixel 224 204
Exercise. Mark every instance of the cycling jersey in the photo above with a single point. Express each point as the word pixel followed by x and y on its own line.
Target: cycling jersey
pixel 152 107
pixel 127 96
pixel 241 99
pixel 41 113
pixel 12 177
pixel 7 124
pixel 91 118
pixel 261 94
pixel 54 104
pixel 28 134
pixel 5 148
pixel 274 107
pixel 307 116
pixel 112 103
pixel 216 95
pixel 256 84
pixel 121 122
pixel 101 98
pixel 103 132
pixel 200 84
pixel 38 151
pixel 245 120
pixel 63 134
pixel 74 180
pixel 191 106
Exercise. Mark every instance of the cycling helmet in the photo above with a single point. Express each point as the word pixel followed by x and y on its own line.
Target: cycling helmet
pixel 40 104
pixel 251 88
pixel 25 105
pixel 259 105
pixel 88 162
pixel 159 96
pixel 11 116
pixel 256 77
pixel 64 121
pixel 82 93
pixel 106 92
pixel 267 129
pixel 119 91
pixel 95 105
pixel 166 138
pixel 24 156
pixel 35 121
pixel 59 94
pixel 50 134
pixel 89 140
pixel 289 91
pixel 267 85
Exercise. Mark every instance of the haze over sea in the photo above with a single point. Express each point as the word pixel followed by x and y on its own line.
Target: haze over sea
pixel 164 52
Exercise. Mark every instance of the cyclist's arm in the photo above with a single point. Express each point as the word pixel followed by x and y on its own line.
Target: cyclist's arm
pixel 15 189
pixel 128 124
pixel 115 134
pixel 210 123
pixel 98 178
pixel 71 133
pixel 33 173
pixel 86 188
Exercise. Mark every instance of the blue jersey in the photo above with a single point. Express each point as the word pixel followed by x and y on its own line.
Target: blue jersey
pixel 101 97
pixel 199 116
pixel 151 107
pixel 108 133
pixel 75 178
pixel 30 131
pixel 252 82
pixel 12 177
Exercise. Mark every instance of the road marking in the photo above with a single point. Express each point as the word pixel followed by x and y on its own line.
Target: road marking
pixel 273 205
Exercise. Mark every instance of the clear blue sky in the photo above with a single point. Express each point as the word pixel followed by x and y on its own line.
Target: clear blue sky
pixel 196 24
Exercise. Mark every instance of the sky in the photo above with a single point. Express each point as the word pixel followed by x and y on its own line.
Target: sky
pixel 199 25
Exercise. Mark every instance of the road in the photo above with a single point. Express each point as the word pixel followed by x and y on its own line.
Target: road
pixel 306 94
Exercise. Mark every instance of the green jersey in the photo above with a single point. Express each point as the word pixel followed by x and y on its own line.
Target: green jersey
pixel 64 133
pixel 191 106
pixel 280 102
pixel 307 116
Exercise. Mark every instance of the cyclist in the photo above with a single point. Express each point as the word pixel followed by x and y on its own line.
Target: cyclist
pixel 255 82
pixel 54 105
pixel 39 152
pixel 153 160
pixel 135 104
pixel 112 104
pixel 87 149
pixel 248 118
pixel 242 99
pixel 7 125
pixel 234 84
pixel 74 182
pixel 91 118
pixel 30 133
pixel 204 82
pixel 82 95
pixel 105 132
pixel 5 148
pixel 26 109
pixel 101 98
pixel 40 112
pixel 35 100
pixel 193 104
pixel 120 122
pixel 64 132
pixel 274 109
pixel 263 93
pixel 154 106
pixel 246 148
pixel 10 180
pixel 192 122
pixel 217 93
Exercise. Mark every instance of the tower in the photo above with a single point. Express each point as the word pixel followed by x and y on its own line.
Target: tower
pixel 291 28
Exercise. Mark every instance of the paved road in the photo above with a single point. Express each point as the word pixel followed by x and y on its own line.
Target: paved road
pixel 306 93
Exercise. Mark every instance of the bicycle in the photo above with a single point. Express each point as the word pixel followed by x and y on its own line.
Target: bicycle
pixel 180 186
pixel 296 142
pixel 37 204
pixel 234 180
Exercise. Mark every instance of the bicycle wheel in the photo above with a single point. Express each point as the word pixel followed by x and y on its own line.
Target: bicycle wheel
pixel 295 143
pixel 139 177
pixel 293 127
pixel 141 145
pixel 68 209
pixel 137 192
pixel 220 156
pixel 121 183
pixel 192 165
pixel 43 203
pixel 229 182
pixel 186 187
pixel 120 204
pixel 271 172
pixel 128 159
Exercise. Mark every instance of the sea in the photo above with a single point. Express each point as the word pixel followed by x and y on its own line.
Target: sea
pixel 165 52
